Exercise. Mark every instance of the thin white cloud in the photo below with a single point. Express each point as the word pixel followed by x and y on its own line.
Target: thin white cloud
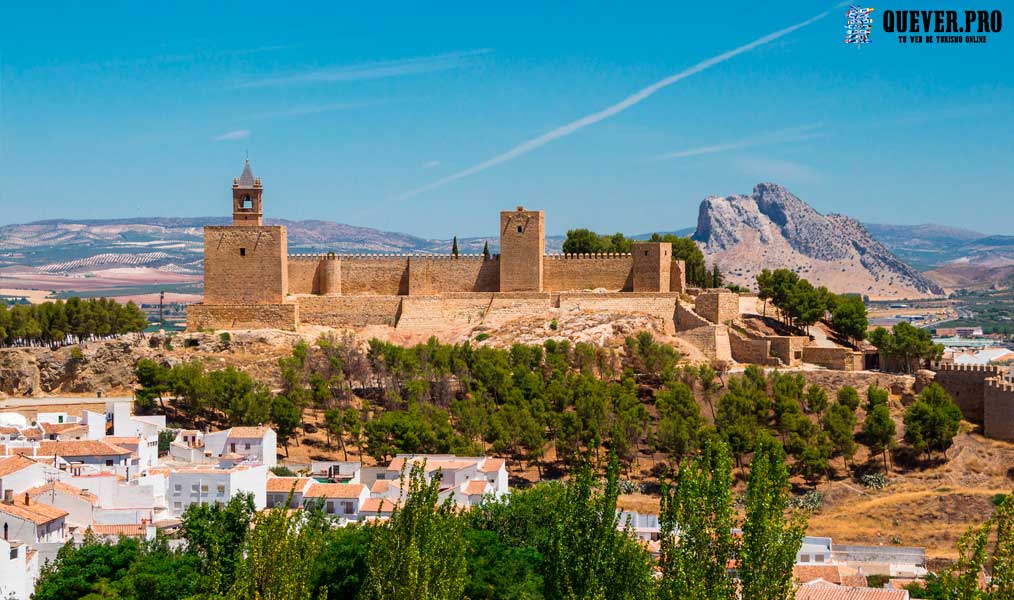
pixel 610 111
pixel 806 132
pixel 431 164
pixel 239 134
pixel 374 70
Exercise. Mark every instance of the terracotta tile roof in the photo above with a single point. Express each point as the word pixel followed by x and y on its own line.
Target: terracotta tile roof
pixel 36 512
pixel 80 448
pixel 32 432
pixel 247 432
pixel 476 486
pixel 134 530
pixel 376 505
pixel 335 490
pixel 808 573
pixel 61 427
pixel 491 465
pixel 59 486
pixel 286 484
pixel 14 464
pixel 9 430
pixel 854 580
pixel 380 486
pixel 824 591
pixel 118 440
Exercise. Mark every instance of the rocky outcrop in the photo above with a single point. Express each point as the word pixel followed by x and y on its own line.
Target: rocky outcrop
pixel 771 228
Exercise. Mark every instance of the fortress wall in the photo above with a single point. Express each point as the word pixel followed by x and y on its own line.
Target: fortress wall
pixel 242 316
pixel 688 319
pixel 717 306
pixel 573 272
pixel 998 409
pixel 678 277
pixel 429 275
pixel 661 305
pixel 349 311
pixel 751 351
pixel 507 306
pixel 789 348
pixel 376 275
pixel 713 340
pixel 304 273
pixel 245 265
pixel 967 386
pixel 838 359
pixel 430 312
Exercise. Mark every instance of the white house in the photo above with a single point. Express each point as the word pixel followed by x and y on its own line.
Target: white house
pixel 95 453
pixel 31 522
pixel 18 473
pixel 79 504
pixel 206 485
pixel 19 568
pixel 258 444
pixel 466 480
pixel 279 488
pixel 342 500
pixel 143 448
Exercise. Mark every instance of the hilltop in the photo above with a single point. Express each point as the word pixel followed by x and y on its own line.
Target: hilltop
pixel 772 228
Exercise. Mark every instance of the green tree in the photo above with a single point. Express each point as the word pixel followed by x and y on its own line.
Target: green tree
pixel 485 250
pixel 419 554
pixel 848 317
pixel 840 423
pixel 589 556
pixel 879 431
pixel 454 247
pixel 217 535
pixel 932 422
pixel 285 416
pixel 906 344
pixel 848 396
pixel 696 518
pixel 770 538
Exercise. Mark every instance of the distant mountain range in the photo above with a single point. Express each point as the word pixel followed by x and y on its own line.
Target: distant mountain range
pixel 949 256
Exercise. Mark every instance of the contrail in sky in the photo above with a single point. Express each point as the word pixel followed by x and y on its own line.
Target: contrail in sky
pixel 607 112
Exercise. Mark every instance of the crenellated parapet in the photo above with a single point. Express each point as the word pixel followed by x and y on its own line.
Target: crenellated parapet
pixel 594 256
pixel 985 370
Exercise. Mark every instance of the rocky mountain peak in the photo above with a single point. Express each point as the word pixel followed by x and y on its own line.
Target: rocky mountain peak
pixel 772 228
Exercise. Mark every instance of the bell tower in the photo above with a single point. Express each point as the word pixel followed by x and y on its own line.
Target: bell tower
pixel 246 198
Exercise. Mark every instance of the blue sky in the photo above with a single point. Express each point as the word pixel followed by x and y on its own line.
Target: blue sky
pixel 380 117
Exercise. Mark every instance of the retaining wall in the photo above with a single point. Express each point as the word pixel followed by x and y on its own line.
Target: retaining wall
pixel 838 359
pixel 242 316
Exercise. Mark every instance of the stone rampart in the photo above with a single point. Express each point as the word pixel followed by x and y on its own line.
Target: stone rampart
pixel 242 316
pixel 967 386
pixel 688 319
pixel 430 275
pixel 661 305
pixel 719 307
pixel 789 349
pixel 349 311
pixel 838 359
pixel 431 312
pixel 750 350
pixel 375 274
pixel 998 408
pixel 573 272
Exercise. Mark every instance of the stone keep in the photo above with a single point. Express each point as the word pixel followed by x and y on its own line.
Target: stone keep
pixel 652 266
pixel 522 246
pixel 246 262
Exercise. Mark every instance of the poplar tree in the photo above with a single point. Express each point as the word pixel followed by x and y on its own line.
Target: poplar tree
pixel 696 518
pixel 770 538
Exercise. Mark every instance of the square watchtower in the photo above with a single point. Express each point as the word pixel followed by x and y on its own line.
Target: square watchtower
pixel 522 248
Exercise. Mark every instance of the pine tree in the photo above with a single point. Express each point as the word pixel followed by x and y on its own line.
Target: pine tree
pixel 454 247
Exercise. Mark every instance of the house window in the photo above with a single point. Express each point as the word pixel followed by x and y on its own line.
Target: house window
pixel 177 505
pixel 330 507
pixel 804 558
pixel 178 488
pixel 232 447
pixel 242 251
pixel 247 446
pixel 221 490
pixel 204 488
pixel 193 488
pixel 109 462
pixel 347 508
pixel 818 558
pixel 14 553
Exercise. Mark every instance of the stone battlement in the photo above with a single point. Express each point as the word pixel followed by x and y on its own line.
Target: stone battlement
pixel 1000 384
pixel 596 256
pixel 991 369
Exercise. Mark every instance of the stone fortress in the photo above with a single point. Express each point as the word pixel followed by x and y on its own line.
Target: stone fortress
pixel 252 282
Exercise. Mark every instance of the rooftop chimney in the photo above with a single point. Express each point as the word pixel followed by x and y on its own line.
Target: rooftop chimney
pixel 28 499
pixel 8 497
